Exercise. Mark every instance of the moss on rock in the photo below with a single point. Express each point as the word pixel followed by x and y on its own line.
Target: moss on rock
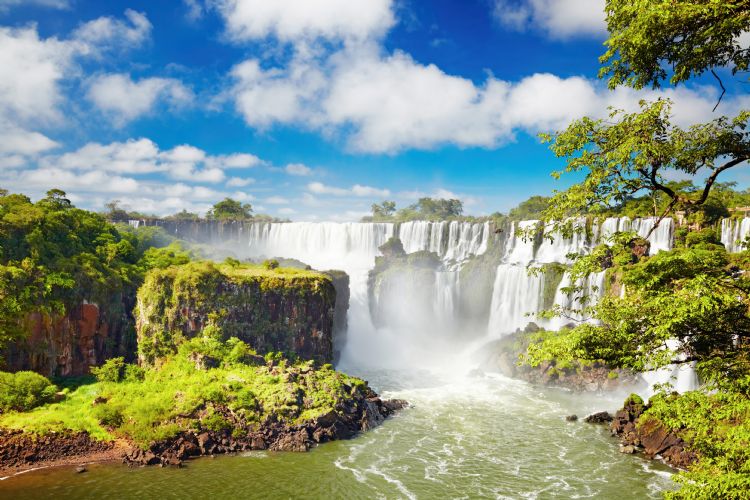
pixel 272 309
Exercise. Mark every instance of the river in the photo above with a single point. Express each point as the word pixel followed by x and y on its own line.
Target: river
pixel 463 437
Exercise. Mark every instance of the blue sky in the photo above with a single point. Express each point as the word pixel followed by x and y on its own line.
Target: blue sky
pixel 307 109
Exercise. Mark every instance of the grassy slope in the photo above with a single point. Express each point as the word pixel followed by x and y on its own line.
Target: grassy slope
pixel 178 396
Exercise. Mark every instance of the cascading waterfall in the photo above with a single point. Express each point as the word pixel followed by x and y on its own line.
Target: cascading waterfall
pixel 661 239
pixel 734 232
pixel 517 293
pixel 556 248
pixel 463 239
pixel 352 247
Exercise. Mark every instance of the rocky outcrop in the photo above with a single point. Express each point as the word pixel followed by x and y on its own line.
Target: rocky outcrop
pixel 69 345
pixel 280 310
pixel 502 356
pixel 639 432
pixel 363 412
pixel 19 450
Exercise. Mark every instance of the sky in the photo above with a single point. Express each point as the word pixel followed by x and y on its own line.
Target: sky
pixel 306 109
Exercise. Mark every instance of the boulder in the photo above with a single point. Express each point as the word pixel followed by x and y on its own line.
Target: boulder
pixel 601 417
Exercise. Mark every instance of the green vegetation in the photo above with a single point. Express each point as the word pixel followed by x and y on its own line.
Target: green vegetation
pixel 187 392
pixel 717 426
pixel 647 37
pixel 630 153
pixel 238 299
pixel 424 209
pixel 229 209
pixel 530 209
pixel 22 391
pixel 54 256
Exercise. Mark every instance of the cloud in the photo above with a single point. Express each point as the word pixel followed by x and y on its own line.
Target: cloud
pixel 93 181
pixel 109 32
pixel 298 169
pixel 388 104
pixel 356 190
pixel 287 211
pixel 239 160
pixel 195 9
pixel 16 140
pixel 276 200
pixel 143 156
pixel 118 96
pixel 33 67
pixel 238 182
pixel 293 21
pixel 264 97
pixel 557 18
pixel 6 5
pixel 32 70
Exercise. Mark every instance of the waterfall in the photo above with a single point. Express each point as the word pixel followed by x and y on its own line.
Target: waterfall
pixel 419 304
pixel 520 247
pixel 661 239
pixel 734 232
pixel 555 248
pixel 591 287
pixel 517 294
pixel 452 241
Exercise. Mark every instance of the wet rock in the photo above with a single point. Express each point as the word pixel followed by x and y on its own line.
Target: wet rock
pixel 81 469
pixel 601 417
pixel 629 449
pixel 571 418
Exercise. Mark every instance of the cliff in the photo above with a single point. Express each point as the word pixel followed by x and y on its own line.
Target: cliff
pixel 282 310
pixel 69 344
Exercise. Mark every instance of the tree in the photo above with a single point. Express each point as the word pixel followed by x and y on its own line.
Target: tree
pixel 229 209
pixel 533 208
pixel 687 36
pixel 438 208
pixel 383 210
pixel 634 153
pixel 115 212
pixel 56 200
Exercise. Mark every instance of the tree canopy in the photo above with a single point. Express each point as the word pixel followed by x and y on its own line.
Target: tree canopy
pixel 687 37
pixel 53 256
pixel 229 209
pixel 636 152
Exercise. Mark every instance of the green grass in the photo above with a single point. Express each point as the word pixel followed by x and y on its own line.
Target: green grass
pixel 178 397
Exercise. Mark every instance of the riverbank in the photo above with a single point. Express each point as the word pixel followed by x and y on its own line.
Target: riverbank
pixel 211 397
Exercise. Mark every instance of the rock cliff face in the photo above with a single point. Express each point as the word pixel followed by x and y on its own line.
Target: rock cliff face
pixel 283 310
pixel 340 323
pixel 638 432
pixel 69 345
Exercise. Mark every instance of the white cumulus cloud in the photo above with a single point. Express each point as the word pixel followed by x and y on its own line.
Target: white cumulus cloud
pixel 118 96
pixel 557 18
pixel 298 169
pixel 356 190
pixel 294 20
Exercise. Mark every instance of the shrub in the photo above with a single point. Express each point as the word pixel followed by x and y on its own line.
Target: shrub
pixel 109 415
pixel 134 373
pixel 23 391
pixel 112 370
pixel 271 264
